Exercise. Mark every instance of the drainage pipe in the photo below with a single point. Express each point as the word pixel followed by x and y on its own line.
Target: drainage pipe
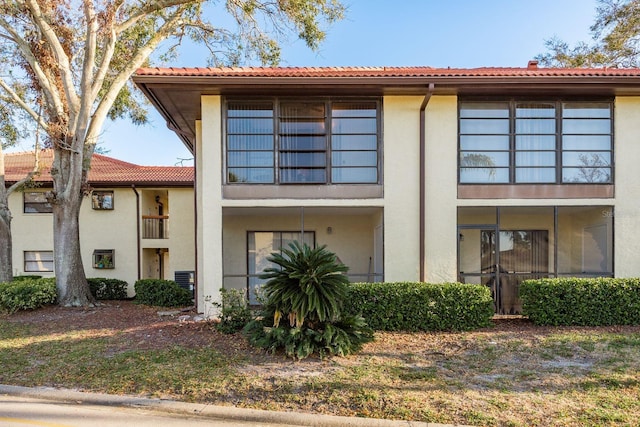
pixel 133 187
pixel 423 137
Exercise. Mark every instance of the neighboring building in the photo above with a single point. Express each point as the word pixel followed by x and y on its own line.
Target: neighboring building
pixel 488 175
pixel 137 222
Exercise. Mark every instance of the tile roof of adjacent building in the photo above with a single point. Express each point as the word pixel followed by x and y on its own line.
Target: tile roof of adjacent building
pixel 104 171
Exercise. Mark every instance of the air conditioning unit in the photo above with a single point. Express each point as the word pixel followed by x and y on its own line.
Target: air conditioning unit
pixel 186 280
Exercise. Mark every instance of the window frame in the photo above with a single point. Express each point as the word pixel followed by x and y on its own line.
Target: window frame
pixel 559 150
pixel 98 257
pixel 46 205
pixel 98 200
pixel 329 168
pixel 38 260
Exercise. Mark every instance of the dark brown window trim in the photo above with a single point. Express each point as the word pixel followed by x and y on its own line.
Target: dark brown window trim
pixel 271 191
pixel 536 191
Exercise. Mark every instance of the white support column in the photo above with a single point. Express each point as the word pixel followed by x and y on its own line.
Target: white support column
pixel 209 205
pixel 441 189
pixel 401 188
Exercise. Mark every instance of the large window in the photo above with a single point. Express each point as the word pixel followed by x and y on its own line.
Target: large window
pixel 302 142
pixel 38 261
pixel 504 142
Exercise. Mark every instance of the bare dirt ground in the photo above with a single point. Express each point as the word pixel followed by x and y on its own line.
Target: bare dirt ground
pixel 146 329
pixel 142 328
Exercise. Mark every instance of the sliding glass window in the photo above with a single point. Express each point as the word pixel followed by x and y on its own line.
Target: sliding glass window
pixel 285 141
pixel 555 142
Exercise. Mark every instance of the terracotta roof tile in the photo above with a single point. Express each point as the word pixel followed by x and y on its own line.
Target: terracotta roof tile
pixel 104 170
pixel 329 72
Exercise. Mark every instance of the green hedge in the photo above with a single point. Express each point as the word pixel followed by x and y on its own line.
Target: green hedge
pixel 27 294
pixel 407 306
pixel 108 289
pixel 162 293
pixel 583 302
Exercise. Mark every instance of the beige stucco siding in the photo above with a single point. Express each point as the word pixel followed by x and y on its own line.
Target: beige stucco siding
pixel 111 229
pixel 181 230
pixel 440 189
pixel 627 181
pixel 401 188
pixel 30 231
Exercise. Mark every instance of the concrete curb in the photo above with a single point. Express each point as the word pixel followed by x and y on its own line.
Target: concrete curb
pixel 209 411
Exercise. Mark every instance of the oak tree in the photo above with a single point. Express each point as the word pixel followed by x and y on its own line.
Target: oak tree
pixel 616 40
pixel 75 59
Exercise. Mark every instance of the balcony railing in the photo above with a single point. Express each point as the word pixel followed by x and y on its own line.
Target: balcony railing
pixel 155 226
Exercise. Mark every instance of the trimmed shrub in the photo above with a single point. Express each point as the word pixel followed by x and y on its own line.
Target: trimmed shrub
pixel 162 293
pixel 26 277
pixel 414 306
pixel 108 289
pixel 27 294
pixel 581 301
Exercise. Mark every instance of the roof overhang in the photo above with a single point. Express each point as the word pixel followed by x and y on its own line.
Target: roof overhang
pixel 176 93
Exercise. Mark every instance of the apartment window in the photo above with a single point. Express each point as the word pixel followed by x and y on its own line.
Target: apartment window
pixel 103 258
pixel 38 261
pixel 503 142
pixel 302 142
pixel 36 202
pixel 102 200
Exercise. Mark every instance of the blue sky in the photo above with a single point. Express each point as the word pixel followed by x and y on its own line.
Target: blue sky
pixel 437 33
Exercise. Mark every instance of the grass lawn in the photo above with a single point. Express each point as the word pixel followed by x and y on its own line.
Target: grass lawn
pixel 514 374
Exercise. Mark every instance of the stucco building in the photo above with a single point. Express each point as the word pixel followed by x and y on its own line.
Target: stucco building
pixel 136 223
pixel 488 175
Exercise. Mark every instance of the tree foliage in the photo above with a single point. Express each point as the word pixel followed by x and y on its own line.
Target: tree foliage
pixel 74 58
pixel 616 40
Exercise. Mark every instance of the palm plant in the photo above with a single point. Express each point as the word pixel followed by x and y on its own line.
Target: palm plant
pixel 306 284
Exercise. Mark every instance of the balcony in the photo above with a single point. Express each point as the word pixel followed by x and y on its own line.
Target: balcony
pixel 155 226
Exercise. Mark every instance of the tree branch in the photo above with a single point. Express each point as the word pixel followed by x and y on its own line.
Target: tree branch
pixel 136 62
pixel 61 56
pixel 50 91
pixel 149 8
pixel 20 102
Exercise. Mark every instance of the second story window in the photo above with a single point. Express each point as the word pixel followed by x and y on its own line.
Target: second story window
pixel 302 142
pixel 36 202
pixel 535 142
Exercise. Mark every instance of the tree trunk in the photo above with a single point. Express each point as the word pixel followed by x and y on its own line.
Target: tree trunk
pixel 6 257
pixel 71 282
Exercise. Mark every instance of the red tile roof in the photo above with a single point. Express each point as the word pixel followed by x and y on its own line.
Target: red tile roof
pixel 360 72
pixel 104 170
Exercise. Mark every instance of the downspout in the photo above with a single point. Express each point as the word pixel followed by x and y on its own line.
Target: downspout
pixel 133 187
pixel 423 179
